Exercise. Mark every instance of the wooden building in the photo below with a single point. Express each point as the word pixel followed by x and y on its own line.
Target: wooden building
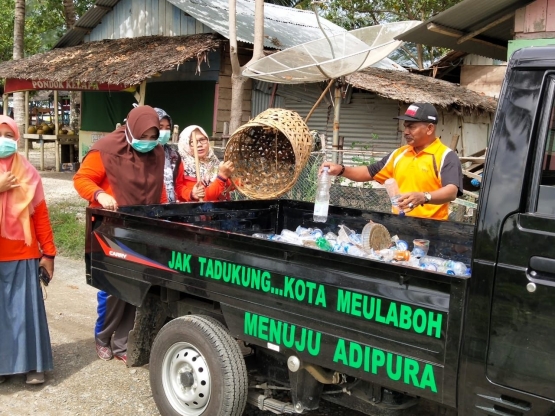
pixel 171 54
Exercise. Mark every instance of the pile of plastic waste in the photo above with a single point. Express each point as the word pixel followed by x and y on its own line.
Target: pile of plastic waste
pixel 348 242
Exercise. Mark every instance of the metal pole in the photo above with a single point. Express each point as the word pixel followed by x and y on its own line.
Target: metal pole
pixel 336 112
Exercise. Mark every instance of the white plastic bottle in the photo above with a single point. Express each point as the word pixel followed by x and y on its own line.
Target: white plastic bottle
pixel 445 266
pixel 322 201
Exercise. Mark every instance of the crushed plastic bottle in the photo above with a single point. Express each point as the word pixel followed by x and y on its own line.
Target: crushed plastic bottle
pixel 316 233
pixel 323 244
pixel 322 201
pixel 302 231
pixel 402 245
pixel 444 266
pixel 353 250
pixel 262 236
pixel 290 237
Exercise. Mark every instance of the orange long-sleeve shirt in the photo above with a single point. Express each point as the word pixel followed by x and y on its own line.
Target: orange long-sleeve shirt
pixel 91 178
pixel 213 191
pixel 43 239
pixel 179 183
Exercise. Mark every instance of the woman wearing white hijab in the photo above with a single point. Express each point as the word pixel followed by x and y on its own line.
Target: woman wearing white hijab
pixel 214 183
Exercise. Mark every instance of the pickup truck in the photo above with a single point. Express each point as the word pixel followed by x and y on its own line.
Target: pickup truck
pixel 224 317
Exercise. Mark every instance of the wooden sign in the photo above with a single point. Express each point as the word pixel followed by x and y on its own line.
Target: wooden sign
pixel 15 85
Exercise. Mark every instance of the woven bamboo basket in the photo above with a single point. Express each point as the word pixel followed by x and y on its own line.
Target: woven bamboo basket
pixel 269 153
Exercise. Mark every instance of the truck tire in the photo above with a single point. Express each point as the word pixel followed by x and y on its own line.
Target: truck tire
pixel 196 368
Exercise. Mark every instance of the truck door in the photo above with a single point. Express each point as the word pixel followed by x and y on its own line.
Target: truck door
pixel 521 351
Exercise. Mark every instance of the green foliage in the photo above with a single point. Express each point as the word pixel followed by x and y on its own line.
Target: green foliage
pixel 298 4
pixel 354 14
pixel 68 225
pixel 362 159
pixel 44 25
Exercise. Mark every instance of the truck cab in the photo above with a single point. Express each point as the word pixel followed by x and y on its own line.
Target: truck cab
pixel 507 362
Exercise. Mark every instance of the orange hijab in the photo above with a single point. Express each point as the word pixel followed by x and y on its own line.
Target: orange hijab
pixel 18 205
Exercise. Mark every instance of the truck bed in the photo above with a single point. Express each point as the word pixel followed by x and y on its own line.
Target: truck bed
pixel 396 326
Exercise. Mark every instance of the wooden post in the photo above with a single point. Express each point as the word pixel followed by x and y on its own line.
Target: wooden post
pixel 26 112
pixel 175 134
pixel 41 141
pixel 26 147
pixel 140 96
pixel 318 100
pixel 57 156
pixel 454 142
pixel 197 164
pixel 5 104
pixel 56 124
pixel 57 146
pixel 26 142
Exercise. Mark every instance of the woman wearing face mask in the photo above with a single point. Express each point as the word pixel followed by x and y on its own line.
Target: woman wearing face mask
pixel 173 168
pixel 214 183
pixel 125 167
pixel 26 242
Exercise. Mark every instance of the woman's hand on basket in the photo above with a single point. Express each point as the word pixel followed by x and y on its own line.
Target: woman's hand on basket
pixel 226 169
pixel 198 191
pixel 334 168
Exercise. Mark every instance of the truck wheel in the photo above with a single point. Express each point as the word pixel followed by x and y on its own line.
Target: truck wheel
pixel 196 368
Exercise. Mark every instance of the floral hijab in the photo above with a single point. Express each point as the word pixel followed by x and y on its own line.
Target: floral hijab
pixel 172 160
pixel 208 166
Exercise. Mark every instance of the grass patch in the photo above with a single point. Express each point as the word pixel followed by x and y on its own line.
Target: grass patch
pixel 68 224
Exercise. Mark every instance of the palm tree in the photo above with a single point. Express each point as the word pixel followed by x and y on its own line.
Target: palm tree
pixel 70 18
pixel 69 13
pixel 18 34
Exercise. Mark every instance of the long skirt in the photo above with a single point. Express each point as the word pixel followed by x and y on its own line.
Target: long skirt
pixel 24 338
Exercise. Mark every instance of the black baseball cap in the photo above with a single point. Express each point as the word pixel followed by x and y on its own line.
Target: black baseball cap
pixel 420 112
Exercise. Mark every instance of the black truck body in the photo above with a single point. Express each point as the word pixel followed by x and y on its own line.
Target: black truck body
pixel 369 335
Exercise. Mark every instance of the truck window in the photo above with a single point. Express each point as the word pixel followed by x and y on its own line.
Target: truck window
pixel 546 195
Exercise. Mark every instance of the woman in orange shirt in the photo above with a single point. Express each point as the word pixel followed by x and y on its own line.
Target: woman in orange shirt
pixel 125 167
pixel 26 242
pixel 214 183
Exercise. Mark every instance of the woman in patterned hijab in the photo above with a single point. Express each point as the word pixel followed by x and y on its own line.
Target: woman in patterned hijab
pixel 214 182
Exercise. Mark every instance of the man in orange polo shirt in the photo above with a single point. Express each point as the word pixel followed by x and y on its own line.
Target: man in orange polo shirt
pixel 429 174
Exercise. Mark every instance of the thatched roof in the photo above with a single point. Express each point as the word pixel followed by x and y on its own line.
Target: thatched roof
pixel 126 61
pixel 410 88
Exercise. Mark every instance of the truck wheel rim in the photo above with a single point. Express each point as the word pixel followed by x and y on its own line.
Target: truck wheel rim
pixel 186 379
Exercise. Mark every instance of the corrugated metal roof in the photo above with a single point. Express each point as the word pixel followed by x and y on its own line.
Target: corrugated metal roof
pixel 86 23
pixel 284 27
pixel 466 17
